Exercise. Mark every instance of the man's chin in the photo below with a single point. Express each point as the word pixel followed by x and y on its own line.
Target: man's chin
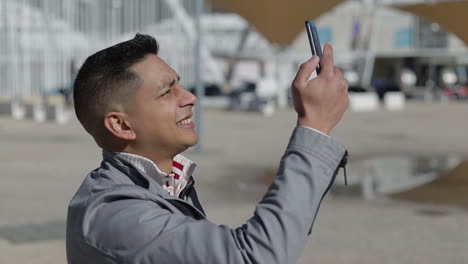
pixel 191 142
pixel 194 142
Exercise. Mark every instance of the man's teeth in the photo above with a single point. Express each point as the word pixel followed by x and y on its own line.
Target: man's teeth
pixel 185 121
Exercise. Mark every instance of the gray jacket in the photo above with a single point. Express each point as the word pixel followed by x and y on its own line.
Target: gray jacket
pixel 120 215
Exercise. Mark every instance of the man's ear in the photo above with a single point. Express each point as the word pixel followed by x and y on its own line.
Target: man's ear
pixel 118 125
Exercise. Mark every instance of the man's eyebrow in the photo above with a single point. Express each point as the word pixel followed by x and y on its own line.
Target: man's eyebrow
pixel 169 83
pixel 173 81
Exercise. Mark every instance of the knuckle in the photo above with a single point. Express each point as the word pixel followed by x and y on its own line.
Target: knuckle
pixel 303 66
pixel 296 84
pixel 337 70
pixel 346 94
pixel 345 84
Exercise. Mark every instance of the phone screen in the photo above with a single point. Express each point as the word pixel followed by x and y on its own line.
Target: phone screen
pixel 314 42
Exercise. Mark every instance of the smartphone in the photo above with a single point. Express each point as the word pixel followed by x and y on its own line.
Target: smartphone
pixel 314 42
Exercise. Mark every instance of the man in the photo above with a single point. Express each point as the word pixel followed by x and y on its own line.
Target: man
pixel 140 205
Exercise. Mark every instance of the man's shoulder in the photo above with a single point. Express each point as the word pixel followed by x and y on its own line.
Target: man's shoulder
pixel 105 192
pixel 110 181
pixel 96 215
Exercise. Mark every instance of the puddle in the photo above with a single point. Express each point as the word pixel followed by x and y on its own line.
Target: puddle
pixel 432 212
pixel 433 180
pixel 449 187
pixel 395 174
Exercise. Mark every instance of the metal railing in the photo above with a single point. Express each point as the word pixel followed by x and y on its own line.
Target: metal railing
pixel 45 41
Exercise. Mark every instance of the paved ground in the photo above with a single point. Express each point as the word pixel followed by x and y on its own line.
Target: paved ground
pixel 43 164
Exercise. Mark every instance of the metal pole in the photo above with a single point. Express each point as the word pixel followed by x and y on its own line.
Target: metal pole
pixel 198 78
pixel 7 49
pixel 186 22
pixel 371 52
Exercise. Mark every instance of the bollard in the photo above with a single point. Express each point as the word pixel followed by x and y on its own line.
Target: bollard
pixel 56 109
pixel 34 108
pixel 17 110
pixel 363 102
pixel 394 101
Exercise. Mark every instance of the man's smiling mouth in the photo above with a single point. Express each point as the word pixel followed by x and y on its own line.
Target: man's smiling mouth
pixel 184 122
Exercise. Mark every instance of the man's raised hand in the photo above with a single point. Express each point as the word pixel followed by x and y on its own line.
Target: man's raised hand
pixel 321 102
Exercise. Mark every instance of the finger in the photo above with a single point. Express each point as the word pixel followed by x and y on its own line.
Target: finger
pixel 328 66
pixel 340 76
pixel 338 72
pixel 345 85
pixel 306 70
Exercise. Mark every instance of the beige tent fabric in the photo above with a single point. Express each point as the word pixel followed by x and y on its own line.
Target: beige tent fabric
pixel 280 21
pixel 452 16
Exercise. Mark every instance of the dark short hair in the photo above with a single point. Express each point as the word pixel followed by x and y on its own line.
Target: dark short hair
pixel 106 80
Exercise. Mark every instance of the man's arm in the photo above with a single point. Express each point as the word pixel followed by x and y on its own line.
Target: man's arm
pixel 136 231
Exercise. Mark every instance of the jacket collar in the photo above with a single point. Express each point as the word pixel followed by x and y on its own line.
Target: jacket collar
pixel 182 169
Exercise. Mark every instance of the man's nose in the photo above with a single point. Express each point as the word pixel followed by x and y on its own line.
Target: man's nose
pixel 188 98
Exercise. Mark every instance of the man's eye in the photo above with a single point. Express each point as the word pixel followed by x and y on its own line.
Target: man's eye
pixel 166 92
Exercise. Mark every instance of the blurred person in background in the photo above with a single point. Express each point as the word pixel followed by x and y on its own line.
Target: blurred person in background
pixel 140 205
pixel 388 83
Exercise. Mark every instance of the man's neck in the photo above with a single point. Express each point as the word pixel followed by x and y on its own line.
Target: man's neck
pixel 164 165
pixel 162 160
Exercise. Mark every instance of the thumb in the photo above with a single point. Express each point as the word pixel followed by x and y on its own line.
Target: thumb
pixel 306 70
